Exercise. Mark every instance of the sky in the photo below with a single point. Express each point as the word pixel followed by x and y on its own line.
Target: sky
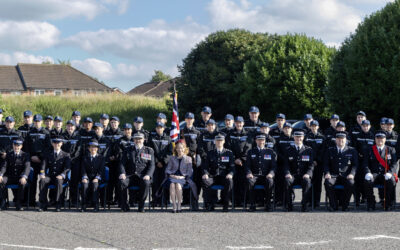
pixel 122 42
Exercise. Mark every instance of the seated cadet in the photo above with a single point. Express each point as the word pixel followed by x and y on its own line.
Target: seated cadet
pixel 260 170
pixel 136 168
pixel 218 169
pixel 340 167
pixel 14 169
pixel 380 164
pixel 298 170
pixel 53 171
pixel 179 171
pixel 92 170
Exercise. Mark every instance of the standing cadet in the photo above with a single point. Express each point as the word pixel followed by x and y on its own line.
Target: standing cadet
pixel 86 133
pixel 136 169
pixel 383 124
pixel 356 130
pixel 253 124
pixel 161 117
pixel 76 117
pixel 71 145
pixel 278 131
pixel 380 163
pixel 299 165
pixel 362 142
pixel 391 135
pixel 48 123
pixel 191 136
pixel 330 138
pixel 138 127
pixel 308 118
pixel 57 130
pixel 28 124
pixel 15 170
pixel 218 169
pixel 270 142
pixel 92 172
pixel 316 140
pixel 54 169
pixel 238 141
pixel 105 120
pixel 38 145
pixel 162 146
pixel 228 125
pixel 331 131
pixel 260 170
pixel 201 124
pixel 340 168
pixel 7 135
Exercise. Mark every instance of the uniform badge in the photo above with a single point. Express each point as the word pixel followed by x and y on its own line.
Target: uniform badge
pixel 389 157
pixel 267 157
pixel 253 156
pixel 270 145
pixel 145 156
pixel 349 162
pixel 318 141
pixel 42 136
pixel 290 158
pixel 292 143
pixel 224 158
pixel 164 142
pixel 102 145
pixel 305 158
pixel 193 136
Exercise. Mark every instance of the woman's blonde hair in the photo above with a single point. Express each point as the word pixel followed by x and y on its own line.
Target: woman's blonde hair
pixel 185 148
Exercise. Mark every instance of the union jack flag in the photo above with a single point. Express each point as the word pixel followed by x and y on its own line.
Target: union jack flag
pixel 174 134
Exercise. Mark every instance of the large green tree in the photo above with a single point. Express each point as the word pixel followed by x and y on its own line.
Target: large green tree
pixel 366 71
pixel 287 76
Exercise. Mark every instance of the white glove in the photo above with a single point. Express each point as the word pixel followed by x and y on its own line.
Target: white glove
pixel 388 176
pixel 368 177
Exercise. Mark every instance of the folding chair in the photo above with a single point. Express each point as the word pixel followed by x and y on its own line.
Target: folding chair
pixel 294 187
pixel 260 187
pixel 16 186
pixel 337 187
pixel 137 188
pixel 103 185
pixel 221 187
pixel 65 189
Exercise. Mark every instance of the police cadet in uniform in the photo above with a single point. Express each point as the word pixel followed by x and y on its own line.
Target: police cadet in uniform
pixel 114 133
pixel 54 169
pixel 76 117
pixel 331 131
pixel 28 124
pixel 260 170
pixel 105 121
pixel 191 136
pixel 86 133
pixel 92 172
pixel 270 142
pixel 331 140
pixel 14 169
pixel 136 168
pixel 356 130
pixel 238 141
pixel 162 146
pixel 57 130
pixel 362 142
pixel 229 120
pixel 316 140
pixel 201 124
pixel 278 131
pixel 283 143
pixel 340 167
pixel 72 146
pixel 138 127
pixel 299 166
pixel 48 123
pixel 7 135
pixel 253 124
pixel 38 145
pixel 1 118
pixel 218 169
pixel 380 164
pixel 308 118
pixel 391 135
pixel 383 124
pixel 161 117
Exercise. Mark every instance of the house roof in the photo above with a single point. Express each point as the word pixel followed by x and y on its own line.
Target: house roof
pixel 153 88
pixel 9 79
pixel 55 76
pixel 143 88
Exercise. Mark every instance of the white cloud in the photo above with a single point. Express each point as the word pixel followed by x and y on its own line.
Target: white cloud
pixel 27 35
pixel 22 57
pixel 57 9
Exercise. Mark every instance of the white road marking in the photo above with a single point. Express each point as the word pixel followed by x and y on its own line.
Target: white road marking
pixel 374 237
pixel 174 248
pixel 91 248
pixel 312 243
pixel 31 247
pixel 249 247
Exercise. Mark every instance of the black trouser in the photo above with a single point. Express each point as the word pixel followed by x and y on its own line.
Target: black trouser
pixel 134 180
pixel 379 179
pixel 240 183
pixel 112 186
pixel 331 192
pixel 279 181
pixel 209 194
pixel 158 177
pixel 297 180
pixel 268 184
pixel 18 194
pixel 317 183
pixel 197 179
pixel 359 189
pixel 32 189
pixel 91 187
pixel 43 187
pixel 75 178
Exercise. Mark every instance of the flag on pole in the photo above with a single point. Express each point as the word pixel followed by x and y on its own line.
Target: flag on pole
pixel 174 134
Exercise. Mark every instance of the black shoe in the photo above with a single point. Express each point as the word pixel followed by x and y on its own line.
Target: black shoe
pixel 141 209
pixel 179 211
pixel 125 208
pixel 42 208
pixel 3 208
pixel 252 209
pixel 304 208
pixel 83 209
pixel 210 208
pixel 345 209
pixel 371 208
pixel 225 209
pixel 58 209
pixel 289 208
pixel 174 211
pixel 268 209
pixel 331 209
pixel 19 208
pixel 96 208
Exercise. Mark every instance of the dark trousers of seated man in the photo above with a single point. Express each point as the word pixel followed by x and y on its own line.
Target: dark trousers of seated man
pixel 306 188
pixel 268 184
pixel 44 183
pixel 210 195
pixel 134 180
pixel 90 188
pixel 332 194
pixel 18 194
pixel 379 179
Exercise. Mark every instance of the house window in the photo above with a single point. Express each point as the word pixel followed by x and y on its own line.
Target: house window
pixel 79 92
pixel 39 92
pixel 58 92
pixel 16 93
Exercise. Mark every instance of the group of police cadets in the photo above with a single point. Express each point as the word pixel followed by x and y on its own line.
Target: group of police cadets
pixel 238 157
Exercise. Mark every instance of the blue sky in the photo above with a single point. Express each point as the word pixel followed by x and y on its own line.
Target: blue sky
pixel 122 42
